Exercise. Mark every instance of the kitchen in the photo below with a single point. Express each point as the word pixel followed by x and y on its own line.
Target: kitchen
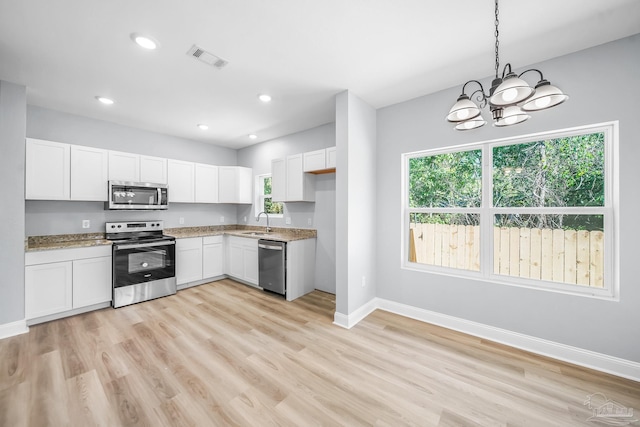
pixel 358 200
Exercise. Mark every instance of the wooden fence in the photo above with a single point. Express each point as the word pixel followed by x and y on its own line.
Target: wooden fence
pixel 566 256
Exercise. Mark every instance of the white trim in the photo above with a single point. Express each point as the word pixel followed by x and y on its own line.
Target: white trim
pixel 14 328
pixel 575 355
pixel 348 321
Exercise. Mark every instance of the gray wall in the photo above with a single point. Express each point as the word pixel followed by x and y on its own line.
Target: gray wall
pixel 13 113
pixel 357 216
pixel 604 85
pixel 322 213
pixel 53 217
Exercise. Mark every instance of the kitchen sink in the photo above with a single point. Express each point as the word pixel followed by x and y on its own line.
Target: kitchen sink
pixel 255 233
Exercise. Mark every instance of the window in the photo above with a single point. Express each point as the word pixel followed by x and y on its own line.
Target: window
pixel 263 197
pixel 533 211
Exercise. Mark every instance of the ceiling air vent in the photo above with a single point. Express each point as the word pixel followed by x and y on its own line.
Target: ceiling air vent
pixel 207 57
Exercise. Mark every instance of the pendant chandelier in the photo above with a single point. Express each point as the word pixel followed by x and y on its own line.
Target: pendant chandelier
pixel 510 98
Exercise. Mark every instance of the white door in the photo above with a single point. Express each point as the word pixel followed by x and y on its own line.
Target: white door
pixel 48 289
pixel 212 260
pixel 48 171
pixel 89 173
pixel 181 181
pixel 153 169
pixel 124 166
pixel 206 183
pixel 188 260
pixel 91 281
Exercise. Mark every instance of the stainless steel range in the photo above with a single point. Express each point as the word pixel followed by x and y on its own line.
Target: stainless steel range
pixel 143 261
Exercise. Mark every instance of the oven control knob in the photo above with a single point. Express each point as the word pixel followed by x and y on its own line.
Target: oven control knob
pixel 145 264
pixel 113 226
pixel 119 226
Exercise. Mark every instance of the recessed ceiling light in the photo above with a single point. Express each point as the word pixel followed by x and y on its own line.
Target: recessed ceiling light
pixel 202 126
pixel 253 136
pixel 144 41
pixel 264 97
pixel 106 101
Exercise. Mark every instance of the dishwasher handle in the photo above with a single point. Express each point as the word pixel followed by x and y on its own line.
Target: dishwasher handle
pixel 270 247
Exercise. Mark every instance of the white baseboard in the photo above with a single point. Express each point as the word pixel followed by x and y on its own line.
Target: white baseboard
pixel 348 321
pixel 578 356
pixel 14 328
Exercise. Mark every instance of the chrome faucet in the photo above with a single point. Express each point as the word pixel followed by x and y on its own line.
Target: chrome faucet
pixel 267 215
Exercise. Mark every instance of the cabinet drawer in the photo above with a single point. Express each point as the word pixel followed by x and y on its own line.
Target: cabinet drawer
pixel 209 240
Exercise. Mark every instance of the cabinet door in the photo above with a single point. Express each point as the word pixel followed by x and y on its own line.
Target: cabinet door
pixel 212 260
pixel 181 181
pixel 314 160
pixel 124 166
pixel 206 183
pixel 300 186
pixel 91 281
pixel 245 185
pixel 279 180
pixel 250 261
pixel 48 289
pixel 235 261
pixel 331 158
pixel 227 184
pixel 89 173
pixel 47 172
pixel 153 169
pixel 188 260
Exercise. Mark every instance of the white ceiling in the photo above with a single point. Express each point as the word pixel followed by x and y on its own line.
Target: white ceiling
pixel 302 52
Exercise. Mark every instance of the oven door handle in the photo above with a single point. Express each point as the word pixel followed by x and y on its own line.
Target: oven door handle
pixel 145 245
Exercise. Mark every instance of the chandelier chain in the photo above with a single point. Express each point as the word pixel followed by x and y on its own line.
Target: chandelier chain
pixel 497 22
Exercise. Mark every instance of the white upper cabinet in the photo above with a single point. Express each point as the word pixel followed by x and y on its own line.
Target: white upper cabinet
pixel 181 181
pixel 124 166
pixel 48 172
pixel 206 183
pixel 153 169
pixel 89 173
pixel 331 158
pixel 315 160
pixel 300 186
pixel 234 184
pixel 279 180
pixel 320 160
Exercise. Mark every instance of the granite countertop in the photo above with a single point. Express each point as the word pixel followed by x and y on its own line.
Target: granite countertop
pixel 64 241
pixel 67 241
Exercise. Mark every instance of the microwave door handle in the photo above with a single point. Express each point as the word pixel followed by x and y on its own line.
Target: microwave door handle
pixel 159 196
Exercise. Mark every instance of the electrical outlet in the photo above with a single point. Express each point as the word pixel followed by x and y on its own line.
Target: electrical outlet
pixel 288 220
pixel 181 220
pixel 86 223
pixel 309 221
pixel 245 219
pixel 221 219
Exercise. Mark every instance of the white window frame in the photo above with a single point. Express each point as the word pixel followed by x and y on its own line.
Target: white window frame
pixel 610 211
pixel 260 196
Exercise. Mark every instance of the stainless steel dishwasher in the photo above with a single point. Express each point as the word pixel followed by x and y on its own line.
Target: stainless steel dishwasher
pixel 272 263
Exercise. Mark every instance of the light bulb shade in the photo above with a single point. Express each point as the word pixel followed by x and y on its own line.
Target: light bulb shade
pixel 511 116
pixel 471 124
pixel 511 91
pixel 545 96
pixel 464 109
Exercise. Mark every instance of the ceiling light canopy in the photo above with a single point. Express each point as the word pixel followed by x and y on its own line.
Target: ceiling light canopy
pixel 509 98
pixel 144 41
pixel 202 126
pixel 105 100
pixel 253 136
pixel 264 97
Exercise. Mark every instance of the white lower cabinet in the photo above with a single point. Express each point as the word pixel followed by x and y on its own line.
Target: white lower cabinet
pixel 62 280
pixel 48 289
pixel 242 259
pixel 212 256
pixel 199 258
pixel 188 260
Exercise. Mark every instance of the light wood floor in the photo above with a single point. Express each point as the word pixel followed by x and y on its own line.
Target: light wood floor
pixel 226 354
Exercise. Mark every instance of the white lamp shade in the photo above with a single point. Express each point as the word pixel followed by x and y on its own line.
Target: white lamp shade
pixel 546 96
pixel 463 110
pixel 511 116
pixel 471 124
pixel 510 92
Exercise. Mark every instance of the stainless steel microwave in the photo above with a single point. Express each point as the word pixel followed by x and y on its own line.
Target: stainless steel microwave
pixel 137 196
